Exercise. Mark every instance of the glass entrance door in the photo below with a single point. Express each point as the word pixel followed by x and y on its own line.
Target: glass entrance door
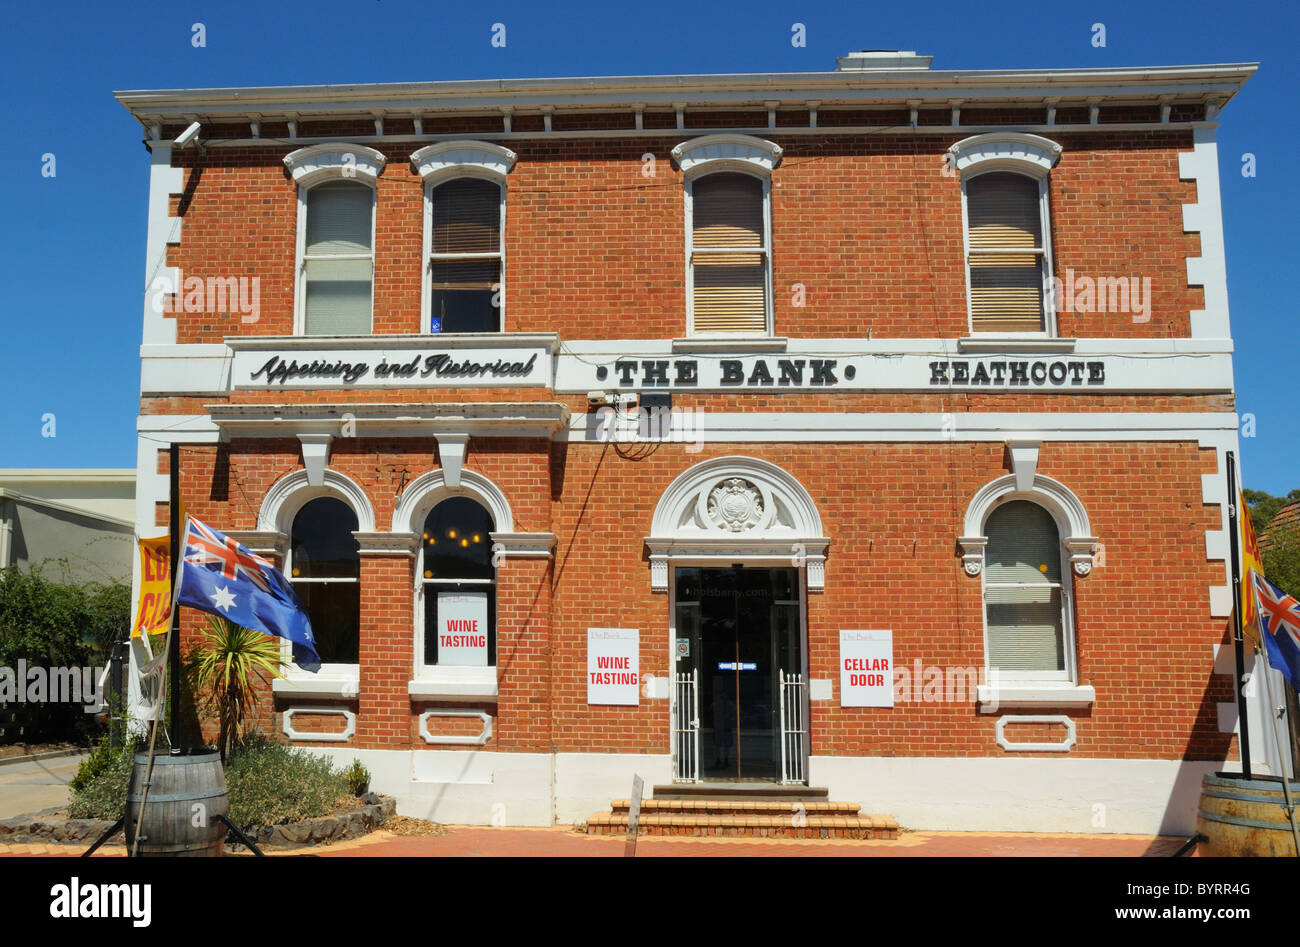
pixel 738 628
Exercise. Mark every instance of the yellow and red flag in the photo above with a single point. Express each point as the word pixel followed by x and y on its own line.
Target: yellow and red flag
pixel 1250 560
pixel 155 610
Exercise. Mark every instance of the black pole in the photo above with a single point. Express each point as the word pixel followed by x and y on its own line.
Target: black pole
pixel 1238 642
pixel 174 547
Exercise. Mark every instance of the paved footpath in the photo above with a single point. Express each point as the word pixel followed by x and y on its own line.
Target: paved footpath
pixel 477 841
pixel 36 785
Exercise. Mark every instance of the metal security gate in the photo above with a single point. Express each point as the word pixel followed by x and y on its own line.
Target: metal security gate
pixel 794 727
pixel 686 727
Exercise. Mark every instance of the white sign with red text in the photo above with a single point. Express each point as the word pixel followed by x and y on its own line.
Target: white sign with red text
pixel 614 666
pixel 462 629
pixel 866 668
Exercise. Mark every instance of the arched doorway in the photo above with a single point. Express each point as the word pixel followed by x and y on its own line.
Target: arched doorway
pixel 737 543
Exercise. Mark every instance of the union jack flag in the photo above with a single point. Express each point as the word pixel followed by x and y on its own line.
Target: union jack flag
pixel 1279 620
pixel 205 546
pixel 221 577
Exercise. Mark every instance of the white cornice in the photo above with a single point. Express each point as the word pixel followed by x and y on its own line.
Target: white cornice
pixel 660 92
pixel 502 419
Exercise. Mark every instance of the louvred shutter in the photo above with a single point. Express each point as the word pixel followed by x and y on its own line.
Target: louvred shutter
pixel 730 288
pixel 1006 286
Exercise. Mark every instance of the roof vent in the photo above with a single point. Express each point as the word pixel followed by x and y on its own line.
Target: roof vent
pixel 882 60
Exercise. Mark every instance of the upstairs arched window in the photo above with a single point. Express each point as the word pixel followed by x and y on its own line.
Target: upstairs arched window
pixel 336 225
pixel 1004 182
pixel 464 234
pixel 458 584
pixel 324 567
pixel 728 233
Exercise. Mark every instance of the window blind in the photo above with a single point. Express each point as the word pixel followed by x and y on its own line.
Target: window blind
pixel 1023 590
pixel 729 283
pixel 467 216
pixel 338 265
pixel 465 269
pixel 1006 253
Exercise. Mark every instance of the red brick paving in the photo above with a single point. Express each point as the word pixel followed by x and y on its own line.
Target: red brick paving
pixel 477 841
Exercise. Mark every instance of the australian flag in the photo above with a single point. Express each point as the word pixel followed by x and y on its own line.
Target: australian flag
pixel 222 577
pixel 1279 622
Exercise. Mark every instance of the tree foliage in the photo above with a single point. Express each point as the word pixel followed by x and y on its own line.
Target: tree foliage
pixel 48 624
pixel 1282 554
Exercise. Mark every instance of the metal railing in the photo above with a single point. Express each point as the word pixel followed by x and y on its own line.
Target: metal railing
pixel 794 728
pixel 686 727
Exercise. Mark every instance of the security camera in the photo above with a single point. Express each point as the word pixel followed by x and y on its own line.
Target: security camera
pixel 187 136
pixel 599 399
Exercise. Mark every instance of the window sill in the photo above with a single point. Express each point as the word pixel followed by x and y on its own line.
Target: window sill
pixel 449 683
pixel 994 697
pixel 1015 343
pixel 314 686
pixel 731 343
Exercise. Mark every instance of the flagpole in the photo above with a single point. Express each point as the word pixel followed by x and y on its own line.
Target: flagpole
pixel 1281 759
pixel 1238 644
pixel 174 515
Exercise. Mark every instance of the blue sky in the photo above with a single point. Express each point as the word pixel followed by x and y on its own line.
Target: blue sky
pixel 73 249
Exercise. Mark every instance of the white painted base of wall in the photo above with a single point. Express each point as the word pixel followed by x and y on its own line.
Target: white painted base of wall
pixel 996 794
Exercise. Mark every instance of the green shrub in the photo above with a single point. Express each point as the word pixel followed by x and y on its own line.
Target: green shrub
pixel 99 788
pixel 269 783
pixel 358 778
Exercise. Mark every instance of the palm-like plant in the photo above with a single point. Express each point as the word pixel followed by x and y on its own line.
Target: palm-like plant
pixel 227 667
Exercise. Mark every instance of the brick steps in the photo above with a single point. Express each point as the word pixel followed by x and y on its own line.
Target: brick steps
pixel 742 817
pixel 742 807
pixel 749 826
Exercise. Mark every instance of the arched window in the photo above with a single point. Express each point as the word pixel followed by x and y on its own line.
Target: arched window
pixel 728 233
pixel 1026 594
pixel 338 259
pixel 466 255
pixel 1004 185
pixel 336 213
pixel 458 583
pixel 325 568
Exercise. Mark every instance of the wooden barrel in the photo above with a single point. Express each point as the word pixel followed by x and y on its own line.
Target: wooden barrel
pixel 187 794
pixel 1245 817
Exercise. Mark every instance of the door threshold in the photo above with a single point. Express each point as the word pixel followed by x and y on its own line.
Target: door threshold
pixel 742 789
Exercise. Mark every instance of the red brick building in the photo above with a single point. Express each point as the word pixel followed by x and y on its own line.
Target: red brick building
pixel 829 428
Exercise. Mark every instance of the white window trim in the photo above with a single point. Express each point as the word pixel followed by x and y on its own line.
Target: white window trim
pixel 1034 157
pixel 445 161
pixel 441 677
pixel 413 507
pixel 280 505
pixel 1077 545
pixel 339 675
pixel 712 154
pixel 1069 675
pixel 300 252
